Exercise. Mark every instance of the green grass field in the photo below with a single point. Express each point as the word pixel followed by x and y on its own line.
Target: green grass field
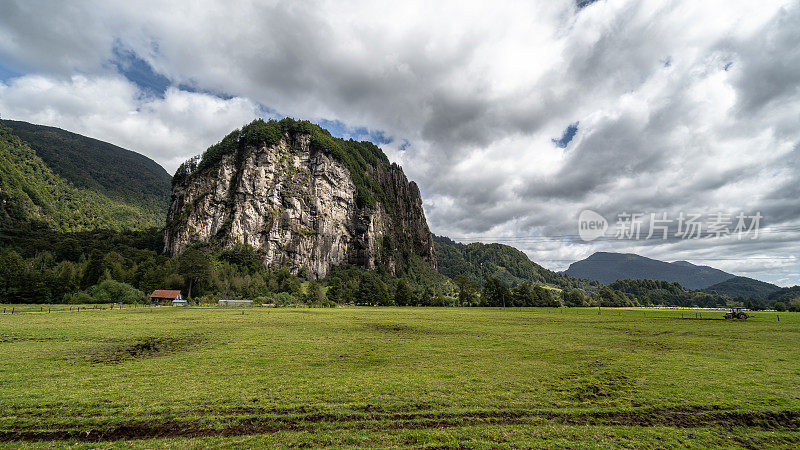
pixel 449 377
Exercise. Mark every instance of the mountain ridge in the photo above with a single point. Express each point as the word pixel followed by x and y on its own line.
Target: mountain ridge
pixel 608 267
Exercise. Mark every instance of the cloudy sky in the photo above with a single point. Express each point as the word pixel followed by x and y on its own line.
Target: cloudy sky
pixel 512 117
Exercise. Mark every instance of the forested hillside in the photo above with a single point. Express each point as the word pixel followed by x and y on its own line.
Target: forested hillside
pixel 743 287
pixel 477 261
pixel 30 192
pixel 97 167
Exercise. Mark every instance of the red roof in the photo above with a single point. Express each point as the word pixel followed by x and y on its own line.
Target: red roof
pixel 162 293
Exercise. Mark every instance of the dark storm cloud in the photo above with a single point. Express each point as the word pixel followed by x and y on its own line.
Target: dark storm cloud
pixel 770 61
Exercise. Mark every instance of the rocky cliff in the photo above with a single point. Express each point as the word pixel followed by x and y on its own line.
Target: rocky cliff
pixel 301 198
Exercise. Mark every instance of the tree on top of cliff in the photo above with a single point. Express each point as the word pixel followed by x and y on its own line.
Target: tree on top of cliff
pixel 358 157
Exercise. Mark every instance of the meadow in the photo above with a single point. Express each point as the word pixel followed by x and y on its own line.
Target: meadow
pixel 439 377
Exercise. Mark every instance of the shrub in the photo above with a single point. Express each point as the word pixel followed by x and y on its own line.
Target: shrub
pixel 285 298
pixel 78 298
pixel 110 291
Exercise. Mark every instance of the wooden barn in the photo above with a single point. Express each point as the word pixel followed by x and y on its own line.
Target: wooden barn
pixel 164 297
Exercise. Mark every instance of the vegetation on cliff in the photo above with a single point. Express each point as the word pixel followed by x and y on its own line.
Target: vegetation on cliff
pixel 360 157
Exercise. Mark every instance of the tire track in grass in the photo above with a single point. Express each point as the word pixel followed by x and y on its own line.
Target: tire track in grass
pixel 691 417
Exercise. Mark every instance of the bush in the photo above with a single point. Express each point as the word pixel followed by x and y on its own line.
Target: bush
pixel 263 300
pixel 574 298
pixel 314 293
pixel 780 306
pixel 78 298
pixel 284 299
pixel 110 291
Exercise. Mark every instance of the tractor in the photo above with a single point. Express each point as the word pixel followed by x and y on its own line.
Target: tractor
pixel 736 313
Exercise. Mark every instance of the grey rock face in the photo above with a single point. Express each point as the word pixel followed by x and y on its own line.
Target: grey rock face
pixel 297 207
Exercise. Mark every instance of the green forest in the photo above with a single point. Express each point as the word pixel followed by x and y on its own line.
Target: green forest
pixel 69 182
pixel 89 164
pixel 30 192
pixel 41 265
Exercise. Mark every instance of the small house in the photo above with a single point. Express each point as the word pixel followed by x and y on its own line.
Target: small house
pixel 165 297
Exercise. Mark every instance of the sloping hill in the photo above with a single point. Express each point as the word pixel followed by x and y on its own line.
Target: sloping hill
pixel 96 166
pixel 477 261
pixel 787 295
pixel 31 193
pixel 608 267
pixel 743 287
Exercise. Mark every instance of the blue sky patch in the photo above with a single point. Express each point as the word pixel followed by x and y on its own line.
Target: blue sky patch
pixel 139 72
pixel 7 73
pixel 194 89
pixel 584 3
pixel 569 133
pixel 339 129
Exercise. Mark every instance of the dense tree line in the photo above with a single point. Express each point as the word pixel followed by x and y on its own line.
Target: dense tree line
pixel 101 266
pixel 786 299
pixel 39 265
pixel 655 293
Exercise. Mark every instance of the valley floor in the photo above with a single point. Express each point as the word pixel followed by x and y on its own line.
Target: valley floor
pixel 443 377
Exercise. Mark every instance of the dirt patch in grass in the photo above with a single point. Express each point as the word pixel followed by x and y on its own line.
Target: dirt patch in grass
pixel 607 384
pixel 147 347
pixel 689 417
pixel 594 382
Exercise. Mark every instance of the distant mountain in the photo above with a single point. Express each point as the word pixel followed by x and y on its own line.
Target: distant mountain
pixel 608 267
pixel 683 263
pixel 477 261
pixel 743 287
pixel 69 182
